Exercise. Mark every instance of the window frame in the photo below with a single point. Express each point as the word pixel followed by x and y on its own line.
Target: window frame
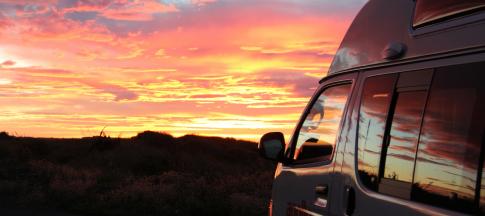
pixel 444 17
pixel 444 24
pixel 290 152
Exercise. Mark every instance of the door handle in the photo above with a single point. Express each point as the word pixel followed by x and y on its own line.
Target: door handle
pixel 321 190
pixel 322 193
pixel 350 200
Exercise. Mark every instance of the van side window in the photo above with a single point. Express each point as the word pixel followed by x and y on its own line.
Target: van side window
pixel 451 141
pixel 317 135
pixel 400 150
pixel 426 141
pixel 376 99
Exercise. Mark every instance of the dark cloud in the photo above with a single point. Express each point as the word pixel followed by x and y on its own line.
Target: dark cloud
pixel 81 15
pixel 401 156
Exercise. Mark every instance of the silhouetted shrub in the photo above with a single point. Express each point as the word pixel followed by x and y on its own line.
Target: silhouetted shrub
pixel 104 142
pixel 136 176
pixel 4 135
pixel 154 139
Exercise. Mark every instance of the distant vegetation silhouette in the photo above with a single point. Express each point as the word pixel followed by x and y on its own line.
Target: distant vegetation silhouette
pixel 149 174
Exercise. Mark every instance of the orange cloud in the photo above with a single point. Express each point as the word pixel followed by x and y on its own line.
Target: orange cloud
pixel 237 68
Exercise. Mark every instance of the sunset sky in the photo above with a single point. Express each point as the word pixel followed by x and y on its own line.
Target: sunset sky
pixel 210 67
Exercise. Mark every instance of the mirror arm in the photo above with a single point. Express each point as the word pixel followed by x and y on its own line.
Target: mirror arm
pixel 285 160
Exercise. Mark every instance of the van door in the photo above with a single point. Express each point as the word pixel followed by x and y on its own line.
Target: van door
pixel 420 140
pixel 303 184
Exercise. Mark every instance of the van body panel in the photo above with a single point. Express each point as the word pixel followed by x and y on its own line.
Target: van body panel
pixel 369 202
pixel 295 184
pixel 381 22
pixel 430 49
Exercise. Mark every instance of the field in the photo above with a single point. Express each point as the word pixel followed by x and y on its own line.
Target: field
pixel 149 174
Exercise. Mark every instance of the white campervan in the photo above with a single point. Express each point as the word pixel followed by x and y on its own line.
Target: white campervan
pixel 398 125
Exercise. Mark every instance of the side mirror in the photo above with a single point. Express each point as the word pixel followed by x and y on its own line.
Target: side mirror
pixel 272 146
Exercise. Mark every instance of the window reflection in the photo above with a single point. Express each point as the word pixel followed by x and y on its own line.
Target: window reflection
pixel 451 139
pixel 317 135
pixel 404 136
pixel 375 103
pixel 450 149
pixel 432 10
pixel 401 150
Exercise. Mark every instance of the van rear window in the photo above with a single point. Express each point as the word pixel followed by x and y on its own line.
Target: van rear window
pixel 430 11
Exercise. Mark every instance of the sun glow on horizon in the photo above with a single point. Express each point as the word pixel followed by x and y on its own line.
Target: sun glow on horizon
pixel 212 67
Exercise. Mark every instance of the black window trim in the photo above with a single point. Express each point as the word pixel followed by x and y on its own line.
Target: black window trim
pixel 387 129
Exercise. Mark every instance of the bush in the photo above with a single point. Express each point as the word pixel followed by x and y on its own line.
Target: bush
pixel 149 174
pixel 4 136
pixel 154 139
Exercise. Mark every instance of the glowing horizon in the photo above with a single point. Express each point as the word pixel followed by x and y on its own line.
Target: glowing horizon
pixel 209 67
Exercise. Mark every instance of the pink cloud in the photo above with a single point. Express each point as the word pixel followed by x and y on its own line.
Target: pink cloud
pixel 7 63
pixel 119 92
pixel 202 2
pixel 136 10
pixel 24 2
pixel 37 70
pixel 4 21
pixel 88 5
pixel 29 75
pixel 255 58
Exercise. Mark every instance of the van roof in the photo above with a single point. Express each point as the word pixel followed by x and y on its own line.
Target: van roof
pixel 384 24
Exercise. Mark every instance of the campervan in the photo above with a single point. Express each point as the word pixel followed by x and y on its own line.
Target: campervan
pixel 397 127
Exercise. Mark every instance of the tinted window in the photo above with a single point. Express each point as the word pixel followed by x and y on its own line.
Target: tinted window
pixel 403 140
pixel 317 136
pixel 376 98
pixel 404 136
pixel 431 10
pixel 452 136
